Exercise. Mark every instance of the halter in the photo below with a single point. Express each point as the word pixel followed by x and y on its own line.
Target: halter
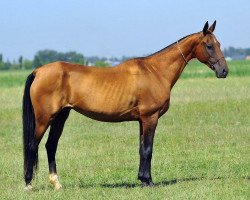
pixel 213 63
pixel 181 52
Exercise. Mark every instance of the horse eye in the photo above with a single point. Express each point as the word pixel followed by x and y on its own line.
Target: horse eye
pixel 209 46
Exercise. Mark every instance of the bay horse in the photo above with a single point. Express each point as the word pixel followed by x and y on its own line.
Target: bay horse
pixel 135 90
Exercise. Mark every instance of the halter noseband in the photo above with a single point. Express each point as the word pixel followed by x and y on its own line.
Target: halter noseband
pixel 213 63
pixel 181 52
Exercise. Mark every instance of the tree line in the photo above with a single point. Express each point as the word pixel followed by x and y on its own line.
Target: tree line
pixel 46 56
pixel 234 52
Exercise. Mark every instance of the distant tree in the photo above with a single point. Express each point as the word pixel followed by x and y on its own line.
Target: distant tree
pixel 14 65
pixel 124 58
pixel 1 62
pixel 101 64
pixel 27 64
pixel 20 61
pixel 7 64
pixel 73 57
pixel 93 59
pixel 114 59
pixel 248 51
pixel 231 51
pixel 36 62
pixel 47 56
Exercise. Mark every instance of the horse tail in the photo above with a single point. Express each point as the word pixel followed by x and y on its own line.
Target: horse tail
pixel 29 151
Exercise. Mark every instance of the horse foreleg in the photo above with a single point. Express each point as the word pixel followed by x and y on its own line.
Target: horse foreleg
pixel 147 130
pixel 51 145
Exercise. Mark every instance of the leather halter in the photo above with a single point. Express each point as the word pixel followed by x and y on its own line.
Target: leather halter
pixel 181 52
pixel 212 64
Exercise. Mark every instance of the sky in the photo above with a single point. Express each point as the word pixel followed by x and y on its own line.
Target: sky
pixel 115 27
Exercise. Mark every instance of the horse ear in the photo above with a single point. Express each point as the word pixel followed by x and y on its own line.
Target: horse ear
pixel 205 28
pixel 211 28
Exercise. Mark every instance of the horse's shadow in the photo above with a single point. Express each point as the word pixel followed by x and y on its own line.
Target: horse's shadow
pixel 157 184
pixel 163 183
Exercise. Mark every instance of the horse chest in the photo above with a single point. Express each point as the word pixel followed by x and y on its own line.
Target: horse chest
pixel 164 108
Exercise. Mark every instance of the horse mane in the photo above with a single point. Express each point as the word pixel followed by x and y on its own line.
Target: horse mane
pixel 169 45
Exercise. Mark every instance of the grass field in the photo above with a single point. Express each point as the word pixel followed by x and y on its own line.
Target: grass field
pixel 201 148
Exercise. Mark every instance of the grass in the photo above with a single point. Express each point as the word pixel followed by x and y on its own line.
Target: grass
pixel 197 70
pixel 201 148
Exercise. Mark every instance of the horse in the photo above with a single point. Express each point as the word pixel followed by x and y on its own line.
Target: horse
pixel 135 90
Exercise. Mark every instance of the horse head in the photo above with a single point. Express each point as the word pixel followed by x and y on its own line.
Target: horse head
pixel 208 51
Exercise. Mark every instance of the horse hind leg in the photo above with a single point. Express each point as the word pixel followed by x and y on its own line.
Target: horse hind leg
pixel 31 160
pixel 56 129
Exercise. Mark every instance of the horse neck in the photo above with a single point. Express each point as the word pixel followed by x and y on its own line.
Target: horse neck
pixel 170 62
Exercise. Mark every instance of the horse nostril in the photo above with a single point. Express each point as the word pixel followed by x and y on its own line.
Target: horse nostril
pixel 224 72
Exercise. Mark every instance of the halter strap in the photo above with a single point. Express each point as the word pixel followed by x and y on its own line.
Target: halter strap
pixel 213 63
pixel 181 52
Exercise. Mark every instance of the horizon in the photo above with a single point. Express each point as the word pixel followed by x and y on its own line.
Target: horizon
pixel 116 29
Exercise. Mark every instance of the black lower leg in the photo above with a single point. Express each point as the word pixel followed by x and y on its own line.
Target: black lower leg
pixel 51 147
pixel 51 152
pixel 32 159
pixel 54 135
pixel 145 165
pixel 147 130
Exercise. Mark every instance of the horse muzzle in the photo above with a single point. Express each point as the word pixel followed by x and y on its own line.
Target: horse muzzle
pixel 220 68
pixel 221 73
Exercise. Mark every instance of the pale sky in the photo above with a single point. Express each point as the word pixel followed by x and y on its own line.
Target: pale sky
pixel 115 27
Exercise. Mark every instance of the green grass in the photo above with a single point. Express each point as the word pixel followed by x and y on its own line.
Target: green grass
pixel 201 148
pixel 13 78
pixel 197 70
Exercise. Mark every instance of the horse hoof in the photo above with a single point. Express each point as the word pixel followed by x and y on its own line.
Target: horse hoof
pixel 58 186
pixel 53 179
pixel 147 184
pixel 28 188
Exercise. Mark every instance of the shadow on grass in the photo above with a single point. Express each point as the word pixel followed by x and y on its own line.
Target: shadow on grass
pixel 163 183
pixel 133 185
pixel 175 181
pixel 120 185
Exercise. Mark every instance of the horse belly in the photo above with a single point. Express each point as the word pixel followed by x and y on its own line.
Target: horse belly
pixel 106 112
pixel 113 105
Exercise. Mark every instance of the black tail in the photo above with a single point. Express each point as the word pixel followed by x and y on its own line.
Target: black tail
pixel 29 144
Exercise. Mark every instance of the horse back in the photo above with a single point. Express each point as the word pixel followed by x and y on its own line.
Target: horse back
pixel 105 94
pixel 119 93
